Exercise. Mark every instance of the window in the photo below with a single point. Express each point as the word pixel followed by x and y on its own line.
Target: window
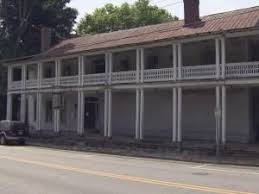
pixel 69 67
pixel 124 65
pixel 17 74
pixel 99 66
pixel 49 70
pixel 49 112
pixel 152 62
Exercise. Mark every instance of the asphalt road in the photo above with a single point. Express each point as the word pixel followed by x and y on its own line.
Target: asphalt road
pixel 31 170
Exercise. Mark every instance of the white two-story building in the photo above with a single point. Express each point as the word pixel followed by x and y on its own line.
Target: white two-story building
pixel 167 82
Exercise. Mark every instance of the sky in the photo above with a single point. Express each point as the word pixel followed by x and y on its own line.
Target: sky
pixel 175 7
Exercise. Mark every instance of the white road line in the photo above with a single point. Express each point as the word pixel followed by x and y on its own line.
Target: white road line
pixel 199 167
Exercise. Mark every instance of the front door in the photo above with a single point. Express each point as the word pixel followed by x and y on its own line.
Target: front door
pixel 91 106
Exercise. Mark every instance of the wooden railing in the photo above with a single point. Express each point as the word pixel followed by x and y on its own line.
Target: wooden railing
pixel 201 72
pixel 95 79
pixel 124 77
pixel 152 75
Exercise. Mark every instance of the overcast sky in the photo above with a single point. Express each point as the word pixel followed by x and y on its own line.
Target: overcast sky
pixel 173 6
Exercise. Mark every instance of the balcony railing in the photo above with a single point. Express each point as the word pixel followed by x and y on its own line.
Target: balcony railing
pixel 15 85
pixel 199 72
pixel 95 79
pixel 152 75
pixel 69 81
pixel 124 77
pixel 47 82
pixel 32 83
pixel 202 72
pixel 239 70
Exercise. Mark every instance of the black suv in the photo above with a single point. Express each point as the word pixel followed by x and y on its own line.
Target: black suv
pixel 12 131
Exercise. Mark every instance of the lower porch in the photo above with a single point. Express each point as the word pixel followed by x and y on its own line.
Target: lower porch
pixel 152 115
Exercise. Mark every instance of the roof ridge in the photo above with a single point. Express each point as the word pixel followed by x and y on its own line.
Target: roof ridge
pixel 175 21
pixel 170 28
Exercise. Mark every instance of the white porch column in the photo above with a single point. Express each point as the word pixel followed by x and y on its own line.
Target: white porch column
pixel 39 74
pixel 39 106
pixel 141 116
pixel 105 113
pixel 223 57
pixel 224 115
pixel 179 114
pixel 110 67
pixel 174 115
pixel 109 113
pixel 57 71
pixel 217 49
pixel 137 65
pixel 80 70
pixel 180 61
pixel 57 120
pixel 218 115
pixel 23 108
pixel 24 77
pixel 9 109
pixel 80 114
pixel 142 64
pixel 10 76
pixel 175 60
pixel 137 114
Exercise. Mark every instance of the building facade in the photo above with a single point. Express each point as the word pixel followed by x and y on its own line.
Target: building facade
pixel 171 82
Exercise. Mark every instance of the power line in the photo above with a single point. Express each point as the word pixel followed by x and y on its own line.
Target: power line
pixel 172 4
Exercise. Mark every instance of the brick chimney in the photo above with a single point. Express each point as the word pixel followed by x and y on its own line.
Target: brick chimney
pixel 191 11
pixel 45 38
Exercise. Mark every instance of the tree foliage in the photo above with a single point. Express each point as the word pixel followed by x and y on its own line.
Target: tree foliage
pixel 21 21
pixel 112 18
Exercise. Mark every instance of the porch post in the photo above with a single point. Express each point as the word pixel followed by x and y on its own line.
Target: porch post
pixel 23 108
pixel 142 64
pixel 56 120
pixel 175 61
pixel 174 115
pixel 109 113
pixel 224 115
pixel 39 106
pixel 80 113
pixel 218 116
pixel 105 113
pixel 39 74
pixel 223 57
pixel 137 114
pixel 217 48
pixel 180 61
pixel 24 77
pixel 9 107
pixel 110 66
pixel 141 116
pixel 57 71
pixel 179 119
pixel 137 65
pixel 10 72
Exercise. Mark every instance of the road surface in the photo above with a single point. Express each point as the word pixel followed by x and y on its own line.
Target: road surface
pixel 32 170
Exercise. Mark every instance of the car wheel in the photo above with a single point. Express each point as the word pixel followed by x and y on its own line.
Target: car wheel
pixel 2 140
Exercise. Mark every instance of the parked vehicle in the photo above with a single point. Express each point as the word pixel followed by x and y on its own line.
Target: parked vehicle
pixel 12 132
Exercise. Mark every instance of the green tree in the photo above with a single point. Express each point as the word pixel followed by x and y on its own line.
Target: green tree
pixel 112 18
pixel 21 21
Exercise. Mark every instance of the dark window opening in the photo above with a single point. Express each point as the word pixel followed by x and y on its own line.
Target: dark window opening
pixel 17 74
pixel 69 67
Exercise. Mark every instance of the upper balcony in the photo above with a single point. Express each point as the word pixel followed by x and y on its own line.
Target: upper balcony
pixel 233 58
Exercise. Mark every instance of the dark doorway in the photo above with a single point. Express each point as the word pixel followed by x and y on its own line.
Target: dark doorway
pixel 255 105
pixel 91 114
pixel 16 107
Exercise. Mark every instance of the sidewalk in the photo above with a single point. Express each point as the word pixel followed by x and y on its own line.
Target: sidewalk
pixel 203 152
